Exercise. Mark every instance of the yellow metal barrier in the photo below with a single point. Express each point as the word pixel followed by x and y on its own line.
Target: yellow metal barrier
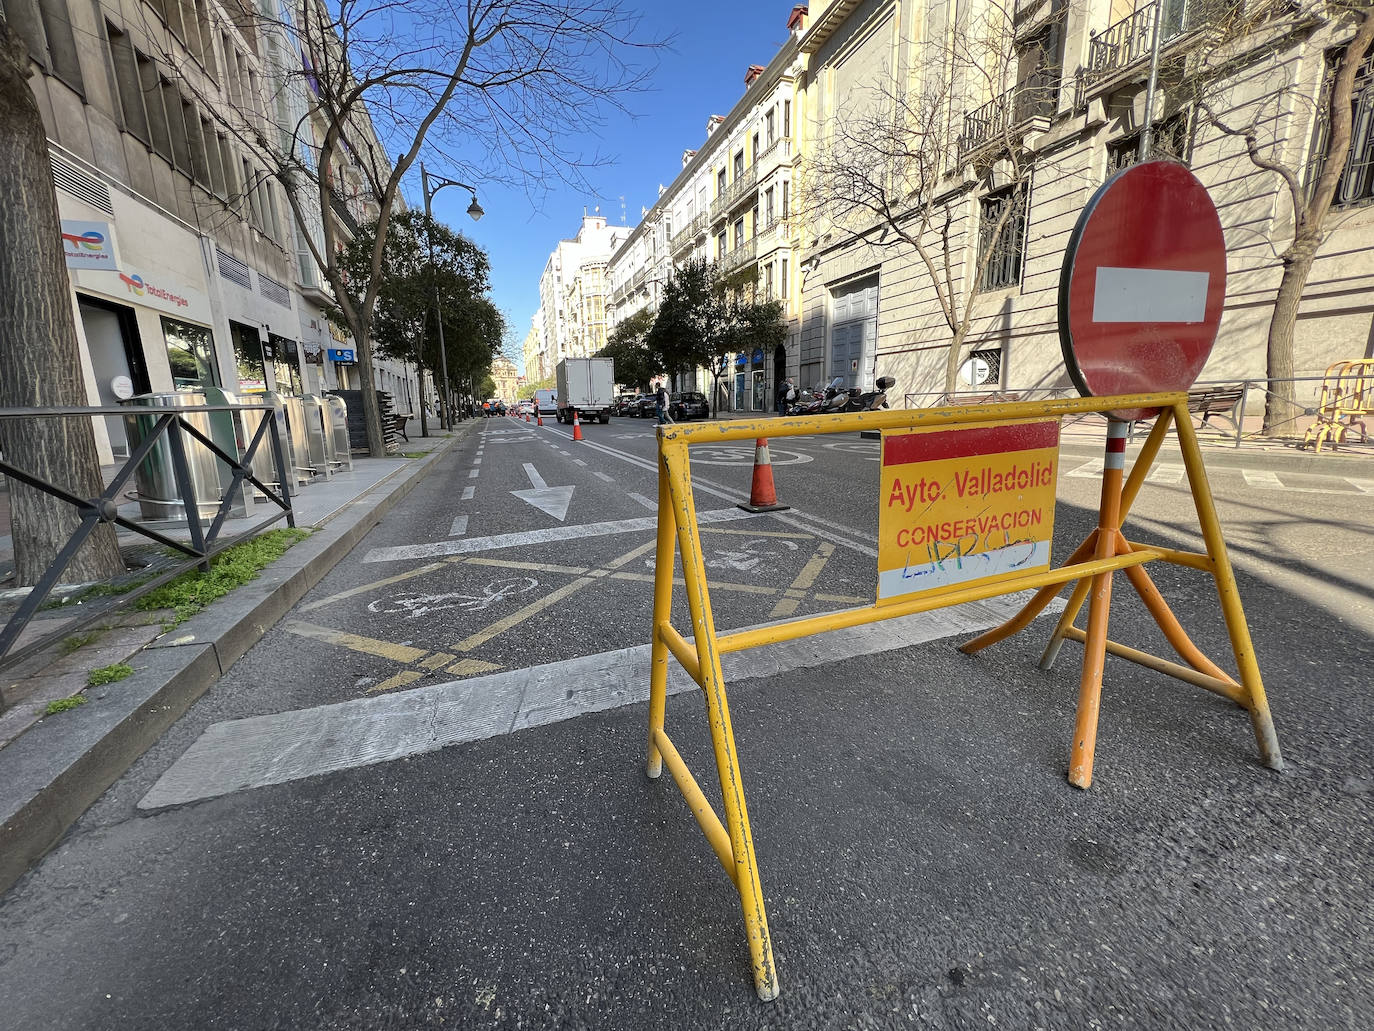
pixel 1091 566
pixel 1346 401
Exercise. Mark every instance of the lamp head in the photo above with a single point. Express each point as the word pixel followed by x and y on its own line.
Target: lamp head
pixel 475 209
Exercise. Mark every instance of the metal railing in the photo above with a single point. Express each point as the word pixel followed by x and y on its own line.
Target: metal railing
pixel 685 236
pixel 1127 41
pixel 1251 403
pixel 741 255
pixel 1036 97
pixel 104 508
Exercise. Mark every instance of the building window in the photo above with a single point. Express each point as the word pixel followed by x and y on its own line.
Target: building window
pixel 739 233
pixel 720 245
pixel 200 161
pixel 127 84
pixel 739 165
pixel 1170 141
pixel 720 182
pixel 768 215
pixel 786 118
pixel 754 142
pixel 22 16
pixel 176 124
pixel 1356 184
pixel 982 368
pixel 782 279
pixel 1002 250
pixel 57 26
pixel 785 187
pixel 768 281
pixel 157 112
pixel 770 126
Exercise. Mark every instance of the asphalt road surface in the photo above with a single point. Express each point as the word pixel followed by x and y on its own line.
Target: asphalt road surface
pixel 420 800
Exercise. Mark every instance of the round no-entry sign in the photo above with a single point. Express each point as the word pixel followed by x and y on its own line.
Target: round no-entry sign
pixel 1143 284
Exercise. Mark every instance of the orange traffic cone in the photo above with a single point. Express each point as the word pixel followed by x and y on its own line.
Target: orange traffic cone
pixel 762 495
pixel 527 416
pixel 539 419
pixel 577 426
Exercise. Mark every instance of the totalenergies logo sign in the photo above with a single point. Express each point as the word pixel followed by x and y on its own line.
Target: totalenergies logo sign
pixel 88 245
pixel 140 287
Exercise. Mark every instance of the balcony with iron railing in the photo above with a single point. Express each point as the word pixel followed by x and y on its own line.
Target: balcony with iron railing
pixel 639 279
pixel 688 234
pixel 742 255
pixel 1035 98
pixel 745 184
pixel 1128 41
pixel 779 152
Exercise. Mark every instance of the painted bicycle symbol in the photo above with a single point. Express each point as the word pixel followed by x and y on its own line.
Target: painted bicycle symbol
pixel 416 605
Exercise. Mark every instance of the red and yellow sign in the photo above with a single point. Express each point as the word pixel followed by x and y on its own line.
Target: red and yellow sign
pixel 965 506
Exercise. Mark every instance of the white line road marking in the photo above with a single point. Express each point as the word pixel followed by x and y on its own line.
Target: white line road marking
pixel 552 501
pixel 1149 295
pixel 1166 473
pixel 238 755
pixel 1362 485
pixel 648 503
pixel 604 476
pixel 476 461
pixel 468 492
pixel 549 534
pixel 473 474
pixel 813 524
pixel 1090 470
pixel 1261 478
pixel 578 461
pixel 459 527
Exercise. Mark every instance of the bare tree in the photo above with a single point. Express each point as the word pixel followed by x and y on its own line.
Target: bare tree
pixel 903 155
pixel 40 362
pixel 1311 198
pixel 499 86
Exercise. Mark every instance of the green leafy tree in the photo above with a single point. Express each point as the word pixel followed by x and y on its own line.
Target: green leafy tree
pixel 635 362
pixel 705 317
pixel 403 326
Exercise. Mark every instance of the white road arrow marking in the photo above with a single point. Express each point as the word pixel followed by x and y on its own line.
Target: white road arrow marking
pixel 553 501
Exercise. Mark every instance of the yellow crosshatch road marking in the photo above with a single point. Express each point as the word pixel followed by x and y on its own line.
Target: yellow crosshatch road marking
pixel 787 605
pixel 357 643
pixel 425 662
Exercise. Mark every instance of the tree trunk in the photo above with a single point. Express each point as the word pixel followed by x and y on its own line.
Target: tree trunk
pixel 420 379
pixel 956 348
pixel 1281 407
pixel 40 361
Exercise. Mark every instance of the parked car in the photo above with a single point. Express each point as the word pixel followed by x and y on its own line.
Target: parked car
pixel 644 407
pixel 624 403
pixel 688 404
pixel 525 407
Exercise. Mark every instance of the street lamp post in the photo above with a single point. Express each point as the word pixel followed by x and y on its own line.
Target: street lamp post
pixel 475 210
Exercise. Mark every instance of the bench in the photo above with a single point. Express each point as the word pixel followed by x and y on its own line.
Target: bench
pixel 1221 401
pixel 398 423
pixel 978 399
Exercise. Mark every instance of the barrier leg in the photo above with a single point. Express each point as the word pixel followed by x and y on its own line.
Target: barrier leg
pixel 1241 646
pixel 1095 646
pixel 1166 620
pixel 1148 451
pixel 663 611
pixel 718 712
pixel 1066 618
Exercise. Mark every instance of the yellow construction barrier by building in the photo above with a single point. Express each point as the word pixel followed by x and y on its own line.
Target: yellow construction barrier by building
pixel 932 555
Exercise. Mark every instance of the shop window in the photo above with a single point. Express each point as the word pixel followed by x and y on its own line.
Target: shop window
pixel 248 357
pixel 191 354
pixel 1003 251
pixel 286 364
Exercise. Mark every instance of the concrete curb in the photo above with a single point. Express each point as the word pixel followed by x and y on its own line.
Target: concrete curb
pixel 53 772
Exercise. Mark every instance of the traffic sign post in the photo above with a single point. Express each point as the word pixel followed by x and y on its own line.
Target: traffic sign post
pixel 1140 301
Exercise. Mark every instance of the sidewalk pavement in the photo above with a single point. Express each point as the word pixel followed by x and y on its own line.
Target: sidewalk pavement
pixel 52 769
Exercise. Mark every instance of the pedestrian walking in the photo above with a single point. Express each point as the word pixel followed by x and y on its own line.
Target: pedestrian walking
pixel 787 393
pixel 661 404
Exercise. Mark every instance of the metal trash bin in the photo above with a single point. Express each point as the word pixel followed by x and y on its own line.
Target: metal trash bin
pixel 293 440
pixel 343 447
pixel 157 493
pixel 316 435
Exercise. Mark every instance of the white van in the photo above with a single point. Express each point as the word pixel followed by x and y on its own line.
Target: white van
pixel 546 401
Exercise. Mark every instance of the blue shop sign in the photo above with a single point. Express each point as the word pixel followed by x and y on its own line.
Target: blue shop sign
pixel 741 361
pixel 758 356
pixel 342 354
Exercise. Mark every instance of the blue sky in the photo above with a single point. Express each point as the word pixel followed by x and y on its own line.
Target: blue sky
pixel 701 75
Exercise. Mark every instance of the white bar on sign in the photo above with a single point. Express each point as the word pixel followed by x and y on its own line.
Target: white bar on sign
pixel 1149 295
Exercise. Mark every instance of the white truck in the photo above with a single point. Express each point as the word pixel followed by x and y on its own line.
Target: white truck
pixel 585 386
